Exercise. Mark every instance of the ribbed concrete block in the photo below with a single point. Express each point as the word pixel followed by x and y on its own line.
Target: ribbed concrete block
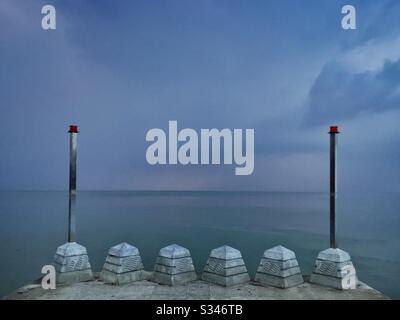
pixel 279 282
pixel 279 268
pixel 174 266
pixel 72 264
pixel 225 266
pixel 333 268
pixel 123 264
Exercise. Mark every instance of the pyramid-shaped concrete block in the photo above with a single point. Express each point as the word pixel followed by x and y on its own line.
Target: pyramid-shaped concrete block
pixel 123 250
pixel 279 268
pixel 225 266
pixel 123 265
pixel 333 268
pixel 72 264
pixel 70 249
pixel 334 255
pixel 174 266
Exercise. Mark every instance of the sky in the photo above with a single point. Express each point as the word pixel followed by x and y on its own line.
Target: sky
pixel 117 69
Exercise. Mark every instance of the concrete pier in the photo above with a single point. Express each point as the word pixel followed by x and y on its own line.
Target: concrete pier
pixel 195 290
pixel 174 277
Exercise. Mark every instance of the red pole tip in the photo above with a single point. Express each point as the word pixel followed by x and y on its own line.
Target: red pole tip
pixel 333 129
pixel 73 129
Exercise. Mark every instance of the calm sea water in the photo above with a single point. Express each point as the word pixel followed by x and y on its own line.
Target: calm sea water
pixel 33 224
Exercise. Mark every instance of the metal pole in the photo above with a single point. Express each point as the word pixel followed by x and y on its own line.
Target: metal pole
pixel 73 134
pixel 333 188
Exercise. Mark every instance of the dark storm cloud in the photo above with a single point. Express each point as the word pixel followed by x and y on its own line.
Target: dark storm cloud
pixel 339 94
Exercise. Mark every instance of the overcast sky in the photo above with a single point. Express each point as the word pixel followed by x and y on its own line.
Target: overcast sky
pixel 119 68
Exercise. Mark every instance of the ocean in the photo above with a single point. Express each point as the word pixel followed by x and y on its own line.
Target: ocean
pixel 34 224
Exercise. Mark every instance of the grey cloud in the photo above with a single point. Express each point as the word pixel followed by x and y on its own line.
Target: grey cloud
pixel 120 70
pixel 339 95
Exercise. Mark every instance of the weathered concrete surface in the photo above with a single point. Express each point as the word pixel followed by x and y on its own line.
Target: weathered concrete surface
pixel 71 262
pixel 279 268
pixel 174 266
pixel 123 264
pixel 333 268
pixel 225 266
pixel 141 290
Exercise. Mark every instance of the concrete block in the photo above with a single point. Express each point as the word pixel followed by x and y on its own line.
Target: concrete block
pixel 334 255
pixel 68 264
pixel 279 253
pixel 266 263
pixel 279 282
pixel 279 268
pixel 345 283
pixel 224 281
pixel 182 265
pixel 67 278
pixel 123 265
pixel 121 278
pixel 72 264
pixel 225 266
pixel 174 266
pixel 123 250
pixel 70 249
pixel 333 268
